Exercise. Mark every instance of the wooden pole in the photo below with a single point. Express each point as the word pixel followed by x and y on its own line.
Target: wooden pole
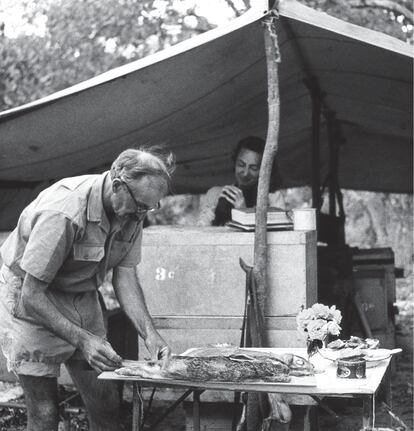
pixel 315 150
pixel 271 148
pixel 333 162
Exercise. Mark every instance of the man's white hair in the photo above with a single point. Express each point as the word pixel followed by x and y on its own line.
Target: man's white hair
pixel 133 163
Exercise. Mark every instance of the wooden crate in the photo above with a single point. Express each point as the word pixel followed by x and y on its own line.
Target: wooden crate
pixel 374 282
pixel 195 288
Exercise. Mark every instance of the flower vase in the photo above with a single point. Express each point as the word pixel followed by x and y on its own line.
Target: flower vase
pixel 316 357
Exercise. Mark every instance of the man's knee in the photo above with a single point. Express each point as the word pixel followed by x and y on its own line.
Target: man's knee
pixel 101 398
pixel 104 414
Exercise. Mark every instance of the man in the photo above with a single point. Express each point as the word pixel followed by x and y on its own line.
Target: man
pixel 54 261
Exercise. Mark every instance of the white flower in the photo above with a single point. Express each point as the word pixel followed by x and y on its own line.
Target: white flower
pixel 319 321
pixel 335 314
pixel 303 318
pixel 320 310
pixel 333 328
pixel 317 329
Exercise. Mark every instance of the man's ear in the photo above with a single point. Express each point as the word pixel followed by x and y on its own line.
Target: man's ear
pixel 116 183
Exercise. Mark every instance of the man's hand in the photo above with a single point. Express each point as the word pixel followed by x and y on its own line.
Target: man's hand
pixel 129 293
pixel 234 195
pixel 158 348
pixel 37 304
pixel 99 354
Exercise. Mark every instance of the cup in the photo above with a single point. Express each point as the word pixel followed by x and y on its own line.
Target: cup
pixel 304 219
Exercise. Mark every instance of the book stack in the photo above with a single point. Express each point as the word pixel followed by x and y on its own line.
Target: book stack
pixel 245 219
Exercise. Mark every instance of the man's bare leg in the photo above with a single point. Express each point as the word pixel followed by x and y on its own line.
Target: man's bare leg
pixel 41 398
pixel 101 398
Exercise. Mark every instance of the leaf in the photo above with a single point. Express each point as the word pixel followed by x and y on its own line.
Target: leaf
pixel 313 346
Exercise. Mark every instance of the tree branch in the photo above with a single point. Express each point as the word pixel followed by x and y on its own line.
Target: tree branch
pixel 271 148
pixel 389 5
pixel 233 7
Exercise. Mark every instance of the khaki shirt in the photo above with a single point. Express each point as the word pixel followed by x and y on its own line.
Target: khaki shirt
pixel 64 237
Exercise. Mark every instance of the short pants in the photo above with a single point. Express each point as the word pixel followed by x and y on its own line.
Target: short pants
pixel 30 348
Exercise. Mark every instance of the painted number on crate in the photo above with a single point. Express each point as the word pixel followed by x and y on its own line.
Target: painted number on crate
pixel 161 274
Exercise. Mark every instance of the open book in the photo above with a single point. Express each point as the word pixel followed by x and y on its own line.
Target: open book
pixel 247 216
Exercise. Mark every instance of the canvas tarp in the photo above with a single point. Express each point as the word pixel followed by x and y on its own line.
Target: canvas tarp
pixel 201 96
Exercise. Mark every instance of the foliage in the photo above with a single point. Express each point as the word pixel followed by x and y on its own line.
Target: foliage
pixel 388 16
pixel 84 39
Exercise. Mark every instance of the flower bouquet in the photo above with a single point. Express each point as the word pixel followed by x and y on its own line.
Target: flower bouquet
pixel 317 323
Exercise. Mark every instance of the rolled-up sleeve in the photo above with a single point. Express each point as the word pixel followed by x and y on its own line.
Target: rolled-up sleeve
pixel 49 244
pixel 133 258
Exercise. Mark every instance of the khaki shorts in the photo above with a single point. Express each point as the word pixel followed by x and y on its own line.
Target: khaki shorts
pixel 30 348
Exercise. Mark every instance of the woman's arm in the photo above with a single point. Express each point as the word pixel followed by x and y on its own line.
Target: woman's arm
pixel 208 203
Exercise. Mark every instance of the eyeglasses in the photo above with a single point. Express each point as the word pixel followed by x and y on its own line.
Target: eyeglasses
pixel 140 207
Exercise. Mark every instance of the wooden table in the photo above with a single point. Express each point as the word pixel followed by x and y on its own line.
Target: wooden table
pixel 322 385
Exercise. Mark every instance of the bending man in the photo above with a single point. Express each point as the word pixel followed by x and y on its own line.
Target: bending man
pixel 53 263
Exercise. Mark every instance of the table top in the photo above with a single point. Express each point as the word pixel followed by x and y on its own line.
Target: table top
pixel 326 383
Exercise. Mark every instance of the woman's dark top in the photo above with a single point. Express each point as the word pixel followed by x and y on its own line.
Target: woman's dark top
pixel 223 209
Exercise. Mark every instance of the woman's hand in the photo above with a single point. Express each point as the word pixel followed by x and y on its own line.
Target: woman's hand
pixel 234 195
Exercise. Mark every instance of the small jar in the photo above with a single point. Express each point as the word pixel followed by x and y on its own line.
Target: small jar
pixel 351 369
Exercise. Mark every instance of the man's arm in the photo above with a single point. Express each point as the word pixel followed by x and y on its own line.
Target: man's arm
pixel 131 298
pixel 97 351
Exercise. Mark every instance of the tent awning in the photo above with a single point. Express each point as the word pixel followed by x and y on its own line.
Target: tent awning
pixel 201 96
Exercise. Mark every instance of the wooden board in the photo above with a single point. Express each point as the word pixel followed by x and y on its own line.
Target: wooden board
pixel 296 383
pixel 324 384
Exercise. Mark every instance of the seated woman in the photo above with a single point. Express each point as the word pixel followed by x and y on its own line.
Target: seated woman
pixel 216 205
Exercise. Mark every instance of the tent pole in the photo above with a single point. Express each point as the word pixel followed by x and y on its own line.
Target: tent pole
pixel 333 161
pixel 335 139
pixel 318 103
pixel 271 148
pixel 316 97
pixel 279 409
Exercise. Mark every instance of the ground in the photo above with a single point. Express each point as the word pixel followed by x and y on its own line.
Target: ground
pixel 349 412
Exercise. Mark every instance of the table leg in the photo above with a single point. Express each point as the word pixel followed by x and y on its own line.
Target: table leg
pixel 137 407
pixel 368 407
pixel 196 410
pixel 388 391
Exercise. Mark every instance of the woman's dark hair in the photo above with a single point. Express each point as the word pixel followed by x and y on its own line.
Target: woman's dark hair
pixel 252 143
pixel 222 212
pixel 256 144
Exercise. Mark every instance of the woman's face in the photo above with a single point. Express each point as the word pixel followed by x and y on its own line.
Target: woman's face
pixel 247 168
